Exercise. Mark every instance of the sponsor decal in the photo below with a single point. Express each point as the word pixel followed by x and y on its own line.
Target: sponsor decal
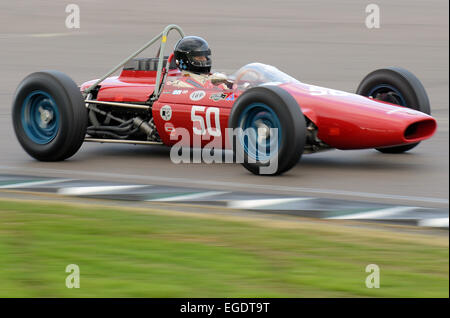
pixel 169 127
pixel 230 97
pixel 179 91
pixel 218 96
pixel 166 112
pixel 222 96
pixel 197 95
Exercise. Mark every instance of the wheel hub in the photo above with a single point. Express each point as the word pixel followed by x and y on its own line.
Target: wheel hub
pixel 46 116
pixel 263 130
pixel 264 135
pixel 40 117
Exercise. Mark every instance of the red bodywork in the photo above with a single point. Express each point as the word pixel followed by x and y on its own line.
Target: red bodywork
pixel 344 120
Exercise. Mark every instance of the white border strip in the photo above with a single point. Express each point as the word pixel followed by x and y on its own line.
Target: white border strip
pixel 261 203
pixel 374 215
pixel 92 190
pixel 436 222
pixel 192 196
pixel 32 183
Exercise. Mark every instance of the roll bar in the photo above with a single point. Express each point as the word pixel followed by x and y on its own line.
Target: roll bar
pixel 163 37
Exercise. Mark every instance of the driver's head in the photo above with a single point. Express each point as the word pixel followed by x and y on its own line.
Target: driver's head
pixel 193 54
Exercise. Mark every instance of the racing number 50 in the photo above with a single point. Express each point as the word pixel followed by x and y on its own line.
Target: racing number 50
pixel 210 111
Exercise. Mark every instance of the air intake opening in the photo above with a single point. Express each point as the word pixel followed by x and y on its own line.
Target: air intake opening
pixel 420 130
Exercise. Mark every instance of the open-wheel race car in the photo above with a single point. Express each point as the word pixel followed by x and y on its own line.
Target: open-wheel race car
pixel 259 111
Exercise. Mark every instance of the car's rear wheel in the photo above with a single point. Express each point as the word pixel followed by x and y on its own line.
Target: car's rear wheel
pixel 397 86
pixel 269 130
pixel 49 116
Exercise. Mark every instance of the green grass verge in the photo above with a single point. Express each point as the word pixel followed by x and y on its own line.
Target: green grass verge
pixel 137 253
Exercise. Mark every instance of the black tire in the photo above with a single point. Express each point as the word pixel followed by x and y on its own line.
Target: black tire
pixel 71 115
pixel 413 94
pixel 292 123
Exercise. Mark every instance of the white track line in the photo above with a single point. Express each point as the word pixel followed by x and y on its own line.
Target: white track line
pixel 254 204
pixel 436 222
pixel 37 35
pixel 233 185
pixel 90 190
pixel 374 214
pixel 32 183
pixel 192 196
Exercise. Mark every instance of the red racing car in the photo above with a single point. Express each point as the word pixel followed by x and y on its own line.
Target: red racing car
pixel 264 115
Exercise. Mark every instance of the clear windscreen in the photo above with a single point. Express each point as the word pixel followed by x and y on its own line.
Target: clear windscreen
pixel 256 74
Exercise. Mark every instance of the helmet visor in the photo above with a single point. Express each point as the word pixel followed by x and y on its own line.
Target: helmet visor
pixel 202 58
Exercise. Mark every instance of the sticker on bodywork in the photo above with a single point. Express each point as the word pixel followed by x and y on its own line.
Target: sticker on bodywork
pixel 179 91
pixel 169 127
pixel 222 96
pixel 218 96
pixel 197 95
pixel 166 112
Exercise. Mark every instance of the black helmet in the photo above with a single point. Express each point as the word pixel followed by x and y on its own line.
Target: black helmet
pixel 192 53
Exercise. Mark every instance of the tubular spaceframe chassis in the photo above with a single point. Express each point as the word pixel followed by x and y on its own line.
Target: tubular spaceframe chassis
pixel 158 88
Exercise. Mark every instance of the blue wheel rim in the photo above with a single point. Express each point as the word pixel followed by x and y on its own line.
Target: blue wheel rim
pixel 40 117
pixel 386 88
pixel 254 117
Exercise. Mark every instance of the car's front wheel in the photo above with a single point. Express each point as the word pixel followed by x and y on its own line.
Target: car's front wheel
pixel 268 130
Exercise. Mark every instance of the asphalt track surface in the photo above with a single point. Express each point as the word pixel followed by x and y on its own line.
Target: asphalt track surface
pixel 319 42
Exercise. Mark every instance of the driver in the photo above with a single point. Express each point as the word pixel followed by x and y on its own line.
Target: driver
pixel 193 57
